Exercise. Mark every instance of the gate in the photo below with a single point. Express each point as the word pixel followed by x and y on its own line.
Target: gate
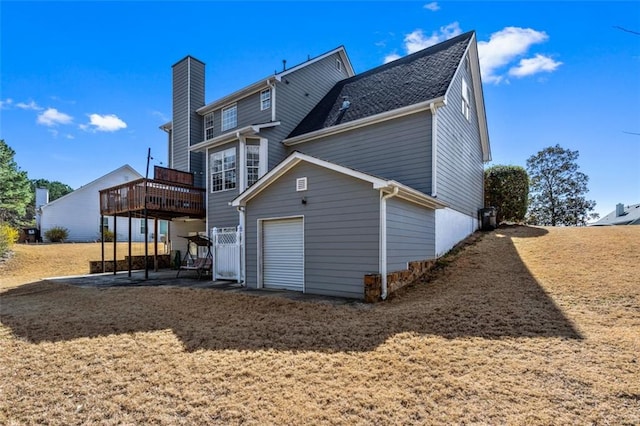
pixel 226 244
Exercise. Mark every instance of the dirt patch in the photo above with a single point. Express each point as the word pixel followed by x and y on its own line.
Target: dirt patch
pixel 528 325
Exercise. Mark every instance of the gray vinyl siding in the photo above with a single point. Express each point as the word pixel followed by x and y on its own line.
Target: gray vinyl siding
pixel 219 213
pixel 188 96
pixel 180 127
pixel 460 179
pixel 410 233
pixel 341 228
pixel 398 149
pixel 248 110
pixel 296 95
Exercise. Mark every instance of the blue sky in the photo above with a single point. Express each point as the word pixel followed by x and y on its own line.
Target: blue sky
pixel 84 86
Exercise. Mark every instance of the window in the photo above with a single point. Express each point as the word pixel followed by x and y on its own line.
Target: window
pixel 142 229
pixel 265 99
pixel 229 117
pixel 253 164
pixel 466 95
pixel 208 126
pixel 338 64
pixel 105 223
pixel 223 170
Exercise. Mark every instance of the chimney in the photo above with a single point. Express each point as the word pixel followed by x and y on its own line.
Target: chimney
pixel 187 124
pixel 619 209
pixel 42 198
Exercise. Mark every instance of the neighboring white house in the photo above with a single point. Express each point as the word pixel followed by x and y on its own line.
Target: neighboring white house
pixel 79 211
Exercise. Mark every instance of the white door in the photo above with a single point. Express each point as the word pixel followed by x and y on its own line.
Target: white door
pixel 283 254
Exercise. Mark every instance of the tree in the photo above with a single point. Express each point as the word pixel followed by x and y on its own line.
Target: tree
pixel 507 189
pixel 15 192
pixel 56 190
pixel 558 189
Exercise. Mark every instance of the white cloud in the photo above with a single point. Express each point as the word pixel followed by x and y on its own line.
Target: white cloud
pixel 505 46
pixel 54 132
pixel 160 115
pixel 53 117
pixel 433 6
pixel 31 105
pixel 416 40
pixel 537 64
pixel 69 136
pixel 6 103
pixel 104 123
pixel 391 57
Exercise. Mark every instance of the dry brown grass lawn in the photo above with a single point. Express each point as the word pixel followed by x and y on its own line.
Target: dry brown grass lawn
pixel 527 326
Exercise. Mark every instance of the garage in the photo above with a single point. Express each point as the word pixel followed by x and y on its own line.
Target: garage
pixel 283 254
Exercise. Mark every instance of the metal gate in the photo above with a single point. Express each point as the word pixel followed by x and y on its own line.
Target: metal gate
pixel 226 245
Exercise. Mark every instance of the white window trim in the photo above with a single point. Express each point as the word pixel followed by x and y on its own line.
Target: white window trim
pixel 466 105
pixel 222 119
pixel 223 153
pixel 266 100
pixel 211 126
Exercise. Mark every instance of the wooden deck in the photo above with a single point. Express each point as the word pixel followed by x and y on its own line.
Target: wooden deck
pixel 163 200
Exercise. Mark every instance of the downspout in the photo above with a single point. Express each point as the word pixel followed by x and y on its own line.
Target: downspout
pixel 383 239
pixel 434 149
pixel 243 269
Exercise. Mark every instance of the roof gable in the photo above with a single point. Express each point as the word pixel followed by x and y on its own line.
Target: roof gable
pixel 264 83
pixel 400 190
pixel 96 182
pixel 413 79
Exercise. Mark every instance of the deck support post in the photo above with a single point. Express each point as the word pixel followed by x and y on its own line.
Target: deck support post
pixel 115 242
pixel 129 244
pixel 102 240
pixel 155 244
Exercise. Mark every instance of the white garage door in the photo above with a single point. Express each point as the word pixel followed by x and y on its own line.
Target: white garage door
pixel 283 254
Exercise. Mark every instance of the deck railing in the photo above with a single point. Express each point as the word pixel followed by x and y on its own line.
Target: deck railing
pixel 160 196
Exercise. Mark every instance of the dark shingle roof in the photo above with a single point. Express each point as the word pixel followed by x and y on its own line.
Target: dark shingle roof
pixel 415 78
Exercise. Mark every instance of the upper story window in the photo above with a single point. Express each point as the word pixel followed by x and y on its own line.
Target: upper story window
pixel 265 99
pixel 338 64
pixel 253 164
pixel 229 117
pixel 466 96
pixel 208 126
pixel 223 170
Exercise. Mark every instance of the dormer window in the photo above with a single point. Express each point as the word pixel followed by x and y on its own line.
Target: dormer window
pixel 229 117
pixel 466 96
pixel 265 99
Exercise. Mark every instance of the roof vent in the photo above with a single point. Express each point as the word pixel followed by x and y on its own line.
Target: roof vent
pixel 345 103
pixel 620 210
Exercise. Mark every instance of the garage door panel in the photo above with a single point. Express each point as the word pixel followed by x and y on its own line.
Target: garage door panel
pixel 283 254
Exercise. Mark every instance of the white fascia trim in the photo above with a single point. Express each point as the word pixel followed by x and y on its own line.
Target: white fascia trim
pixel 402 191
pixel 374 119
pixel 236 96
pixel 289 163
pixel 478 95
pixel 416 197
pixel 343 54
pixel 167 126
pixel 231 136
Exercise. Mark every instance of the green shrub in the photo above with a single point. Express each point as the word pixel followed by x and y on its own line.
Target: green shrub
pixel 8 236
pixel 109 236
pixel 57 234
pixel 507 189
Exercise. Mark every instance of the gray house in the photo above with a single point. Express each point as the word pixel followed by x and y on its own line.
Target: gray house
pixel 622 215
pixel 327 182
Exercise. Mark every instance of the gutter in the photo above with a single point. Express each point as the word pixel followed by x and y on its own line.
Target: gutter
pixel 382 265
